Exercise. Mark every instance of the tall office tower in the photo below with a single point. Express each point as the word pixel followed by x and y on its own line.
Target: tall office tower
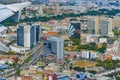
pixel 56 46
pixel 97 22
pixel 74 29
pixel 28 35
pixel 57 7
pixel 38 32
pixel 40 11
pixel 93 24
pixel 20 36
pixel 116 22
pixel 105 26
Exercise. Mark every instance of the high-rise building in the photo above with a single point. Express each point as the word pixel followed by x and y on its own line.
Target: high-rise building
pixel 116 22
pixel 97 21
pixel 105 26
pixel 40 11
pixel 57 7
pixel 74 29
pixel 56 46
pixel 93 24
pixel 28 35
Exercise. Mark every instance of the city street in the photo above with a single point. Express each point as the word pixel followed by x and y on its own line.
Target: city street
pixel 33 59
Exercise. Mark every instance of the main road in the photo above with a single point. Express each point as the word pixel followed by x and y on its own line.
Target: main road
pixel 108 72
pixel 33 59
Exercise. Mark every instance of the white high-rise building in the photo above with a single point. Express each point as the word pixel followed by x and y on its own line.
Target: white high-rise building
pixel 40 11
pixel 88 54
pixel 27 36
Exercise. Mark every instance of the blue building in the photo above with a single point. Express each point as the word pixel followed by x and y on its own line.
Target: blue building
pixel 28 35
pixel 33 35
pixel 3 66
pixel 20 36
pixel 2 78
pixel 63 77
pixel 81 76
pixel 38 31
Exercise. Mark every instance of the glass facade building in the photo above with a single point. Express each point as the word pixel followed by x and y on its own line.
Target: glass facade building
pixel 28 35
pixel 74 30
pixel 20 36
pixel 56 46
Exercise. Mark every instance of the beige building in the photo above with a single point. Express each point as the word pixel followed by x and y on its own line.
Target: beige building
pixel 57 7
pixel 101 24
pixel 116 21
pixel 106 26
pixel 96 20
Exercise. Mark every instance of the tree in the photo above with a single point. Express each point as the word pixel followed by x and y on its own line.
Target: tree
pixel 103 48
pixel 70 67
pixel 90 46
pixel 116 32
pixel 118 77
pixel 93 13
pixel 75 57
pixel 75 41
pixel 65 44
pixel 99 63
pixel 93 44
pixel 18 72
pixel 93 72
pixel 11 52
pixel 109 64
pixel 79 69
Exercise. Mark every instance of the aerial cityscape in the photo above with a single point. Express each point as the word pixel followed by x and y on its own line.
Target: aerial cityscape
pixel 59 39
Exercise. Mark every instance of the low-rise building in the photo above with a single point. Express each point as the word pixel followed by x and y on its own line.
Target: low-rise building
pixel 102 40
pixel 57 76
pixel 88 54
pixel 19 49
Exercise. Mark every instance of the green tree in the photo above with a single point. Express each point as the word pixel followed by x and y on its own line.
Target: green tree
pixel 79 69
pixel 11 52
pixel 108 64
pixel 65 44
pixel 118 77
pixel 116 32
pixel 93 72
pixel 103 48
pixel 70 67
pixel 99 63
pixel 75 41
pixel 18 72
pixel 75 57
